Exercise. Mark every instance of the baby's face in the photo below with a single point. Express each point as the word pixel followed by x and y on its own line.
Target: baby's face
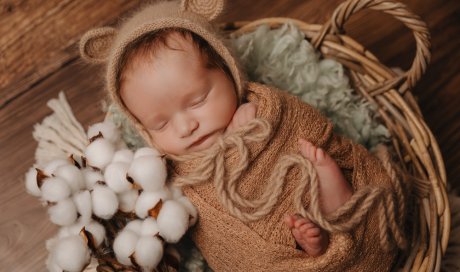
pixel 184 105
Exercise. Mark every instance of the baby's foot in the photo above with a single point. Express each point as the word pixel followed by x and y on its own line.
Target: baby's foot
pixel 316 155
pixel 311 238
pixel 334 188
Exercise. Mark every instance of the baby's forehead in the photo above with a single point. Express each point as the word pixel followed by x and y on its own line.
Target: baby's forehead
pixel 176 44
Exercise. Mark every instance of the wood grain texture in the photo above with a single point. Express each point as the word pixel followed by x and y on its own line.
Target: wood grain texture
pixel 39 37
pixel 39 58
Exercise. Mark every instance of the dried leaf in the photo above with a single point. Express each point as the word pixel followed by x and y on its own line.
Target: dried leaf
pixel 129 179
pixel 104 268
pixel 133 261
pixel 40 177
pixel 94 138
pixel 161 238
pixel 74 162
pixel 83 161
pixel 133 182
pixel 89 239
pixel 153 212
pixel 95 168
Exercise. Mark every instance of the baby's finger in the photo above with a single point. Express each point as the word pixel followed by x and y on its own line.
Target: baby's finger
pixel 312 151
pixel 252 111
pixel 303 148
pixel 301 221
pixel 320 154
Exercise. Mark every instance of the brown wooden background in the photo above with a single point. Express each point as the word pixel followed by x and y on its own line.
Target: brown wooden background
pixel 39 58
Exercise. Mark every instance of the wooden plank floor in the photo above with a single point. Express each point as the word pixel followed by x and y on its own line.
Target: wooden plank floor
pixel 39 58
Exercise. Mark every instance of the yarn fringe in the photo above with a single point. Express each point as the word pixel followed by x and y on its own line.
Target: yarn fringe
pixel 390 205
pixel 59 134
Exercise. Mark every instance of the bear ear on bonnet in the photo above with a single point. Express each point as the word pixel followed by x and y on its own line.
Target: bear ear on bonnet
pixel 95 44
pixel 210 9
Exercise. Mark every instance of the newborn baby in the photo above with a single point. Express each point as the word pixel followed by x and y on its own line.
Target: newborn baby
pixel 170 72
pixel 186 102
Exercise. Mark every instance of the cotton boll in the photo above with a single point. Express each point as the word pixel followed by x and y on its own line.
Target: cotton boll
pixel 148 252
pixel 53 165
pixel 190 208
pixel 64 232
pixel 176 192
pixel 115 177
pixel 127 200
pixel 71 253
pixel 51 243
pixel 124 155
pixel 147 201
pixel 63 213
pixel 82 201
pixel 31 182
pixel 104 202
pixel 51 265
pixel 149 172
pixel 55 189
pixel 99 153
pixel 165 193
pixel 73 229
pixel 107 129
pixel 172 221
pixel 124 245
pixel 91 177
pixel 135 225
pixel 97 231
pixel 149 227
pixel 146 151
pixel 72 175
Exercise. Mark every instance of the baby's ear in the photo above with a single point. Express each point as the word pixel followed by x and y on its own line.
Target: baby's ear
pixel 210 9
pixel 95 44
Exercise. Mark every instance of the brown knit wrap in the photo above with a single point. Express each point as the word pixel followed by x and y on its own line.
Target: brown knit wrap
pixel 231 244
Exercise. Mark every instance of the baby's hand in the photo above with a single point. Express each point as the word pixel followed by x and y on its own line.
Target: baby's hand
pixel 245 113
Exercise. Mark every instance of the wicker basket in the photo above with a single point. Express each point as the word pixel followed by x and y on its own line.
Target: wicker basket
pixel 417 150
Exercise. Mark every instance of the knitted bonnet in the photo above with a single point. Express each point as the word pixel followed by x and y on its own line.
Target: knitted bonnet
pixel 108 45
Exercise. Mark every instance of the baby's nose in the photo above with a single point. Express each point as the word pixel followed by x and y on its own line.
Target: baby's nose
pixel 185 125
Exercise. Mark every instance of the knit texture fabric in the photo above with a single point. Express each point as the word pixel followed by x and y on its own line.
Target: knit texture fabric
pixel 229 244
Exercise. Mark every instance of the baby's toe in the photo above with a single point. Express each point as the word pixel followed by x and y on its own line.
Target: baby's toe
pixel 300 221
pixel 313 232
pixel 298 236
